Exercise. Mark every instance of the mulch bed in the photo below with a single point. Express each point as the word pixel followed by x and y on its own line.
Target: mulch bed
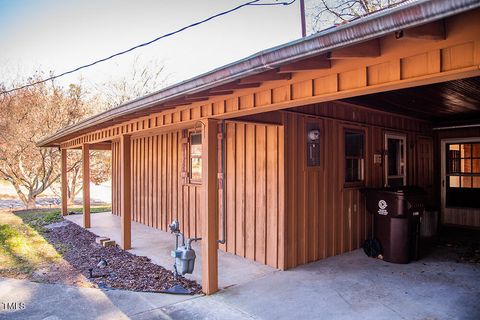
pixel 123 271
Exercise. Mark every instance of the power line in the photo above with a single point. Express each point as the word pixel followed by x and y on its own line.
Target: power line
pixel 250 3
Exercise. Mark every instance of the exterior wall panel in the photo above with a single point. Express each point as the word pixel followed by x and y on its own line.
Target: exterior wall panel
pixel 253 185
pixel 325 217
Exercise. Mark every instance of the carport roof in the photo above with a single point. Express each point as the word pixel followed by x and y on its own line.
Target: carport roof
pixel 444 102
pixel 360 30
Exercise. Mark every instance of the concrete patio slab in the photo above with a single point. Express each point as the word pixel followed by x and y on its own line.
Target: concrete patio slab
pixel 349 286
pixel 56 301
pixel 353 286
pixel 157 245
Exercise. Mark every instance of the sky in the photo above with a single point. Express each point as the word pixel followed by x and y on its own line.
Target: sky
pixel 56 35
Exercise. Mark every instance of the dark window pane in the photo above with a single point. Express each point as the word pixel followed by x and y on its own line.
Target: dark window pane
pixel 354 144
pixel 453 158
pixel 196 139
pixel 393 157
pixel 354 149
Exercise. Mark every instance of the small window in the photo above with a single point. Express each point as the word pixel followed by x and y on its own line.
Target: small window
pixel 354 156
pixel 463 175
pixel 464 165
pixel 195 157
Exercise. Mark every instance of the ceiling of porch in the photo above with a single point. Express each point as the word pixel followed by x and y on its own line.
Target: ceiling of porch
pixel 445 102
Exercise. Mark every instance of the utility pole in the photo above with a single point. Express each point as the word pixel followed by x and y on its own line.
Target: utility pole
pixel 302 16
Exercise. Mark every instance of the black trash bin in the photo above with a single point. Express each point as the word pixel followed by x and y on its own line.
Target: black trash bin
pixel 397 213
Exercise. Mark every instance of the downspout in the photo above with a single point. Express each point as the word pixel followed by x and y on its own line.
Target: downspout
pixel 221 179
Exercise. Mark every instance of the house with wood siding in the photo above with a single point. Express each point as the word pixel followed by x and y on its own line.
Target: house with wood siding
pixel 266 158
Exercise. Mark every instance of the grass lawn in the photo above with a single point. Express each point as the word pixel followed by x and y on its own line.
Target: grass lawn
pixel 23 250
pixel 38 218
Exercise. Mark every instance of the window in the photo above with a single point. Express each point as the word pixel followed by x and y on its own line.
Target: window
pixel 354 156
pixel 195 167
pixel 463 161
pixel 395 166
pixel 462 175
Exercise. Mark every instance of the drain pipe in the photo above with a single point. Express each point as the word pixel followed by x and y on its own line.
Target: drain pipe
pixel 221 179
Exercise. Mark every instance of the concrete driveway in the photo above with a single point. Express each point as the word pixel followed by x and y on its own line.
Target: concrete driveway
pixel 350 286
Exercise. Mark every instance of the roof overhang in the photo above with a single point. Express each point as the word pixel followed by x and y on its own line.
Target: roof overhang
pixel 361 30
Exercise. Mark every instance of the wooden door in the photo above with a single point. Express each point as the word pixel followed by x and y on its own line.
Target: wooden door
pixel 460 179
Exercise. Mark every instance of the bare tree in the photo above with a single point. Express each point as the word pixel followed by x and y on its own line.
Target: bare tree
pixel 30 114
pixel 141 79
pixel 325 13
pixel 100 171
pixel 26 116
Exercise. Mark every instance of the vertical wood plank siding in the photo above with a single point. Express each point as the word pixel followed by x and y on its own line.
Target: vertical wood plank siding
pixel 253 213
pixel 253 187
pixel 323 217
pixel 158 195
pixel 278 212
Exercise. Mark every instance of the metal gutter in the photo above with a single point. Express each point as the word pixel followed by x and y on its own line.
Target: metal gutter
pixel 359 30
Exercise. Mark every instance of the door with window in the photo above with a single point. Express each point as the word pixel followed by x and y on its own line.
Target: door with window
pixel 395 160
pixel 460 180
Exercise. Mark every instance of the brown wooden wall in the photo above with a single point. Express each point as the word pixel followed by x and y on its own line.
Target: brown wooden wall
pixel 254 182
pixel 158 194
pixel 254 188
pixel 323 217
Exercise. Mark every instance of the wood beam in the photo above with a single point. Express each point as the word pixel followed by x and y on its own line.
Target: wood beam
pixel 126 192
pixel 431 31
pixel 368 49
pixel 235 86
pixel 266 76
pixel 64 182
pixel 310 64
pixel 209 207
pixel 86 184
pixel 101 146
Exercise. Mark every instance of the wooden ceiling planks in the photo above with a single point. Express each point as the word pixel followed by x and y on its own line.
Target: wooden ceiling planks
pixel 446 101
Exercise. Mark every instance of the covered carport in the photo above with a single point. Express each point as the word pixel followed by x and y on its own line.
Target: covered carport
pixel 316 206
pixel 453 177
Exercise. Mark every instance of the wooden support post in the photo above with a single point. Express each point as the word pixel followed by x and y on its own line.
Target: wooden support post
pixel 209 207
pixel 86 184
pixel 64 182
pixel 125 189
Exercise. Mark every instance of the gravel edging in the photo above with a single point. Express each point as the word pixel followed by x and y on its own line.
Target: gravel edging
pixel 124 270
